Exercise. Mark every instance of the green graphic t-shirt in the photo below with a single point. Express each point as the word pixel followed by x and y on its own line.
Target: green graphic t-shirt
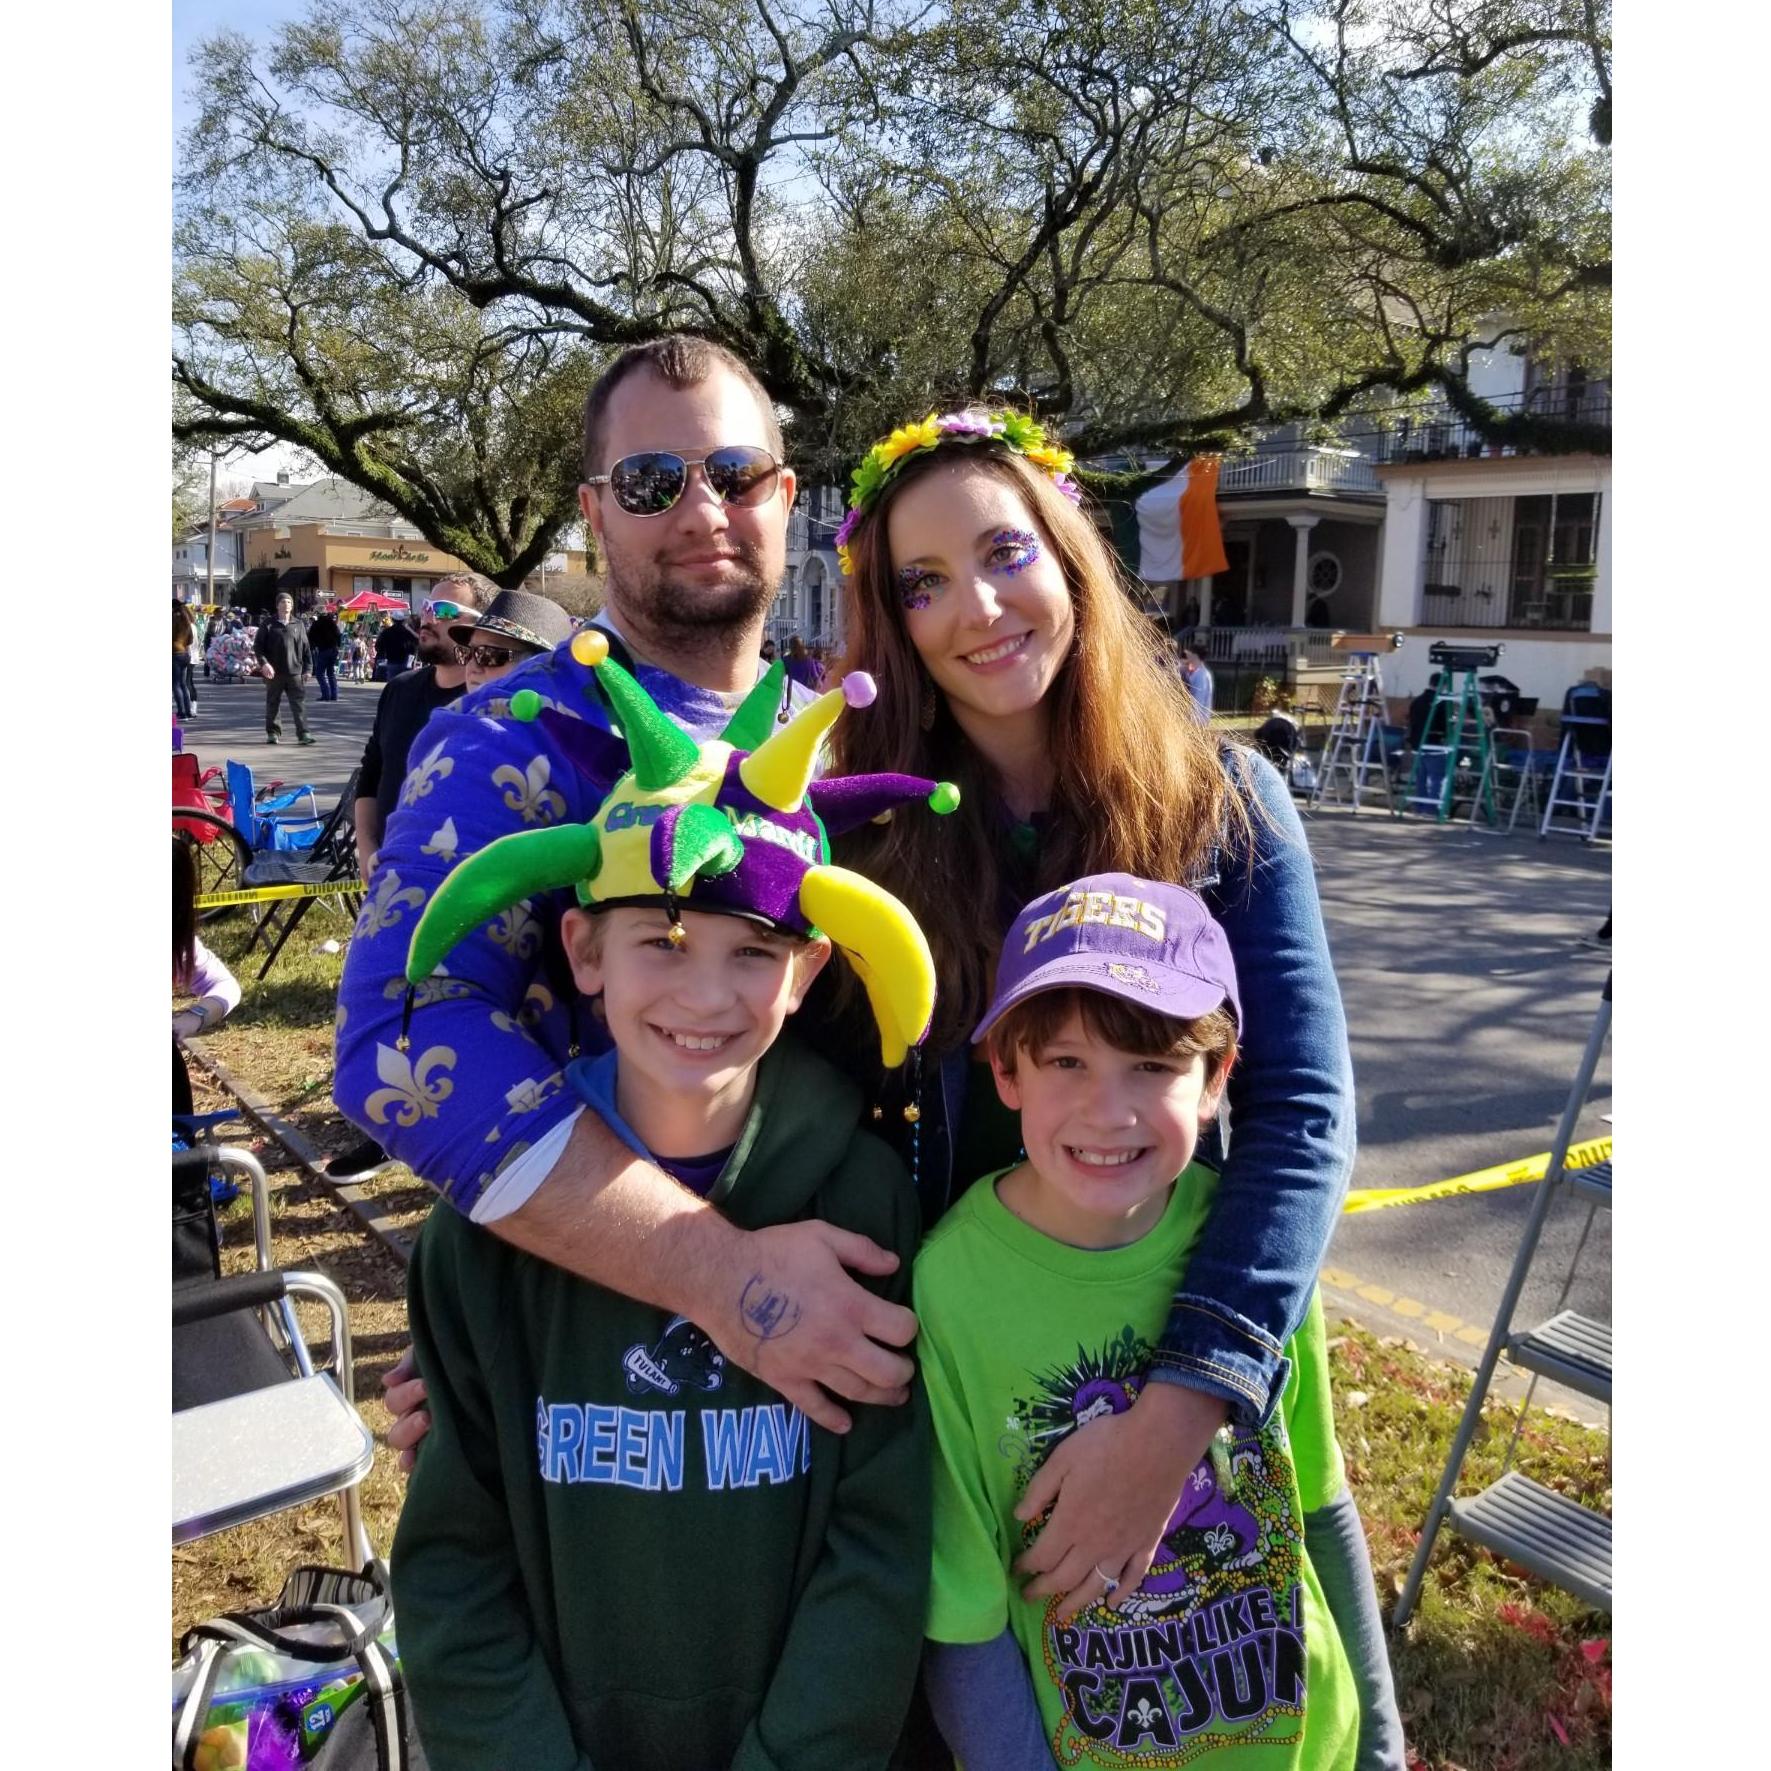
pixel 1229 1648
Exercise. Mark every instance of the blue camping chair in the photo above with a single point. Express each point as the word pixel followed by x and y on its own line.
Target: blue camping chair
pixel 270 822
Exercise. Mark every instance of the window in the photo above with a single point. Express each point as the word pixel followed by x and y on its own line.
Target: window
pixel 1512 562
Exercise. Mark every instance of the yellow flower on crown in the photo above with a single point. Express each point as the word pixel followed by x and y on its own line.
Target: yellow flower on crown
pixel 906 438
pixel 1053 460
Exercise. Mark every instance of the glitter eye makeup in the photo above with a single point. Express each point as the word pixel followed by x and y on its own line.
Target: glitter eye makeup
pixel 911 591
pixel 1021 547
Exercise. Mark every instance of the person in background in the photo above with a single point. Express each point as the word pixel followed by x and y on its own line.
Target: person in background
pixel 183 638
pixel 1197 677
pixel 324 636
pixel 196 972
pixel 400 715
pixel 768 651
pixel 281 648
pixel 514 627
pixel 802 667
pixel 396 646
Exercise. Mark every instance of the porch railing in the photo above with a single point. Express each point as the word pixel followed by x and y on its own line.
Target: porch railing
pixel 1302 470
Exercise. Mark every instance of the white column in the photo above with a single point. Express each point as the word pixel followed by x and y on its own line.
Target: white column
pixel 1402 568
pixel 1300 577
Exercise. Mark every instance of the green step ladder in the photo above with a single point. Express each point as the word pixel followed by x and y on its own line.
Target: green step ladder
pixel 1455 712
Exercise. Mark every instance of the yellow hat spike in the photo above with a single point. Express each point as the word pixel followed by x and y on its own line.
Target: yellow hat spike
pixel 780 769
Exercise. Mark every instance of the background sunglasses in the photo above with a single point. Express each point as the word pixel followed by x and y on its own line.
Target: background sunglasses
pixel 438 609
pixel 648 485
pixel 489 657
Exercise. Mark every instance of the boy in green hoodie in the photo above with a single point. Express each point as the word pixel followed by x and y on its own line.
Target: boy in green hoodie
pixel 618 1549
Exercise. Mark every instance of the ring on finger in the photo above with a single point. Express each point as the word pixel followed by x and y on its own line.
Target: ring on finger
pixel 1110 1583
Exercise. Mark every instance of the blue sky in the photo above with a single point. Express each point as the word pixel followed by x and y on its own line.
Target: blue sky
pixel 193 20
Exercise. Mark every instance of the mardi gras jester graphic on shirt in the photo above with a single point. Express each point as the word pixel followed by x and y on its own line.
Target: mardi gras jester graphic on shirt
pixel 1211 1651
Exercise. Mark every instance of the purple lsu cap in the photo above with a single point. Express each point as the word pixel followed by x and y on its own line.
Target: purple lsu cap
pixel 1135 938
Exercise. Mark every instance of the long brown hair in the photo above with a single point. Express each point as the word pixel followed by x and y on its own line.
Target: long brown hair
pixel 1138 785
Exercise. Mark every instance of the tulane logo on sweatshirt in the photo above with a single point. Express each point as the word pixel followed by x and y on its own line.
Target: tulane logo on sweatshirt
pixel 683 1355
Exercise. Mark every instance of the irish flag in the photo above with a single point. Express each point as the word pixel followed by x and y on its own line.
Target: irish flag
pixel 1179 535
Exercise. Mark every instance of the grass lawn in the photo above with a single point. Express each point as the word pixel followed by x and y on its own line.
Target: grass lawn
pixel 1496 1671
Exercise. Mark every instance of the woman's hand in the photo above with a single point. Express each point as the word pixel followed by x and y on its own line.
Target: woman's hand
pixel 1112 1487
pixel 404 1397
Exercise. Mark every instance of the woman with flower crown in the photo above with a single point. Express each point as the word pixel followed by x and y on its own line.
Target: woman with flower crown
pixel 1010 660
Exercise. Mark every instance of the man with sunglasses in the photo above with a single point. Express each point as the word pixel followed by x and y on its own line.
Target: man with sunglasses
pixel 401 711
pixel 687 494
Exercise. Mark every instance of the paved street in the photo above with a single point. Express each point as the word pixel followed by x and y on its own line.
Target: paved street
pixel 1468 998
pixel 1469 1002
pixel 230 723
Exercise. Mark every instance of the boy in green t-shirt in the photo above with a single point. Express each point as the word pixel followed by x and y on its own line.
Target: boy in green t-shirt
pixel 1040 1296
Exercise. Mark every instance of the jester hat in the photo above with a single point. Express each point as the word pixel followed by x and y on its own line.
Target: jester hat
pixel 735 825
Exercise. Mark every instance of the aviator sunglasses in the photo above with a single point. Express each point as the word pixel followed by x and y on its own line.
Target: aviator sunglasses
pixel 649 484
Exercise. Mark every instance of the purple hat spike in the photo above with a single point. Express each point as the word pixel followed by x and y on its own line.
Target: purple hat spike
pixel 847 802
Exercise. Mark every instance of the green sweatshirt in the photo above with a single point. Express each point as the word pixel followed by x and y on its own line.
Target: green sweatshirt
pixel 617 1549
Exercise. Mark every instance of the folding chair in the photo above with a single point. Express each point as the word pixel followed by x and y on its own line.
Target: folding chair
pixel 255 1428
pixel 268 820
pixel 331 856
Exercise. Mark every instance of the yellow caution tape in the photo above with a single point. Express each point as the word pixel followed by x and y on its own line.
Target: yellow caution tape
pixel 265 894
pixel 1484 1180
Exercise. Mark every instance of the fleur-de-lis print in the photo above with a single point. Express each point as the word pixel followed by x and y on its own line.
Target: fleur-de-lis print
pixel 537 1000
pixel 426 774
pixel 383 910
pixel 516 930
pixel 444 843
pixel 414 1091
pixel 439 987
pixel 529 793
pixel 531 1093
pixel 1220 1540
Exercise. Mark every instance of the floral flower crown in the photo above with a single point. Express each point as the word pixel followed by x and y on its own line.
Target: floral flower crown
pixel 1024 435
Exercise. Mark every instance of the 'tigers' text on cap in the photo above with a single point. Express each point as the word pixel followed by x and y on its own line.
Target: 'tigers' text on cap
pixel 1141 940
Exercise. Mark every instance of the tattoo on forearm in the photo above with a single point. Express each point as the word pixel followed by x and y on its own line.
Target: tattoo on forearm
pixel 767 1313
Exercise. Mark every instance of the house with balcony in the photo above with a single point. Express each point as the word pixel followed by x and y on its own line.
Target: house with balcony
pixel 1500 544
pixel 1414 522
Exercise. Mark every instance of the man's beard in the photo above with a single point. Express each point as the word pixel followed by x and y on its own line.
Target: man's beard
pixel 690 617
pixel 436 647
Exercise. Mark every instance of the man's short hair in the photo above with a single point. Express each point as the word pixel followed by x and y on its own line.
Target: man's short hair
pixel 480 588
pixel 681 361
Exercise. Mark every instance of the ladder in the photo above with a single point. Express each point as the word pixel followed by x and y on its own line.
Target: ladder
pixel 1584 810
pixel 1554 1537
pixel 1355 744
pixel 1432 780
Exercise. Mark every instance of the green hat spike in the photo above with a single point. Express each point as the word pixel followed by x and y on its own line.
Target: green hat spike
pixel 495 877
pixel 754 720
pixel 662 751
pixel 702 841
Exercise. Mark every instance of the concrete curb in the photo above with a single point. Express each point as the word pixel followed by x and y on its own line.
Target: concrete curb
pixel 398 1242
